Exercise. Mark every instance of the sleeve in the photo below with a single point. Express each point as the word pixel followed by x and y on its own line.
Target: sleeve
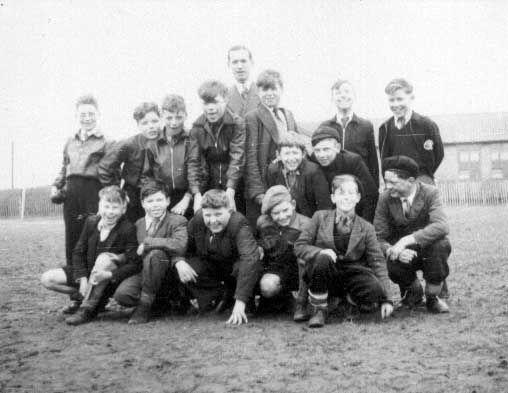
pixel 79 254
pixel 194 163
pixel 255 184
pixel 62 174
pixel 175 244
pixel 437 228
pixel 133 263
pixel 321 191
pixel 109 165
pixel 236 154
pixel 372 155
pixel 376 261
pixel 370 191
pixel 438 146
pixel 384 148
pixel 382 223
pixel 249 264
pixel 304 245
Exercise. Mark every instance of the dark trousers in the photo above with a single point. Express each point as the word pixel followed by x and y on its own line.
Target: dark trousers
pixel 175 197
pixel 252 211
pixel 431 260
pixel 323 275
pixel 82 200
pixel 134 209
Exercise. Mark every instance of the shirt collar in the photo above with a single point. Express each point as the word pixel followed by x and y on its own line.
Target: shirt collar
pixel 407 116
pixel 149 220
pixel 411 196
pixel 339 117
pixel 241 87
pixel 339 215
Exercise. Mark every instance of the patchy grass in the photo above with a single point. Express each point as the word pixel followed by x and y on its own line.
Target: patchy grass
pixel 464 351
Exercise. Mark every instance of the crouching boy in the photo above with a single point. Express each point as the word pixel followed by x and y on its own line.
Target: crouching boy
pixel 222 257
pixel 278 227
pixel 162 238
pixel 104 256
pixel 343 257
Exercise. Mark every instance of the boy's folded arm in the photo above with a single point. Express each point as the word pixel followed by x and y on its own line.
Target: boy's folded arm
pixel 377 262
pixel 304 246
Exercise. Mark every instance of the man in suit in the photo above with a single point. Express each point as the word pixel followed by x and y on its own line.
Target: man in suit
pixel 243 95
pixel 335 161
pixel 162 238
pixel 265 127
pixel 356 134
pixel 412 229
pixel 342 256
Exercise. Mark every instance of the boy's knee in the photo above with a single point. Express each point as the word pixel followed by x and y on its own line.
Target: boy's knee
pixel 156 256
pixel 47 279
pixel 104 262
pixel 270 285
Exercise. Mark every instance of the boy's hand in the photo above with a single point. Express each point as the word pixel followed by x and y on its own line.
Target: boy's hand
pixel 185 272
pixel 99 276
pixel 54 191
pixel 83 283
pixel 182 206
pixel 386 310
pixel 330 253
pixel 238 315
pixel 141 249
pixel 407 255
pixel 197 202
pixel 394 251
pixel 230 193
pixel 261 253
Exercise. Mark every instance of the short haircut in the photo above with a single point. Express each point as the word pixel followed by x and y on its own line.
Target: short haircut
pixel 215 199
pixel 87 99
pixel 269 79
pixel 339 180
pixel 239 47
pixel 291 139
pixel 397 84
pixel 339 82
pixel 209 90
pixel 173 103
pixel 143 109
pixel 153 187
pixel 113 194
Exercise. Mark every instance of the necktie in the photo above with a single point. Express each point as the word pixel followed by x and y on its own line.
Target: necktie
pixel 276 113
pixel 291 179
pixel 400 123
pixel 344 225
pixel 405 206
pixel 153 227
pixel 245 92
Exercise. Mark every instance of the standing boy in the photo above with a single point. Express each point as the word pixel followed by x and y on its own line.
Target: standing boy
pixel 356 134
pixel 131 153
pixel 412 229
pixel 343 257
pixel 409 134
pixel 217 146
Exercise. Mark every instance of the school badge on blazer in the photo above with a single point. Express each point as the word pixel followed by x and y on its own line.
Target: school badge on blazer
pixel 428 145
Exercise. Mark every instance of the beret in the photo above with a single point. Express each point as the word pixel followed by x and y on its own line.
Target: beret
pixel 273 196
pixel 324 132
pixel 402 164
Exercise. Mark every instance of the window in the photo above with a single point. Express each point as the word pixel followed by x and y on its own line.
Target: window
pixel 499 162
pixel 469 164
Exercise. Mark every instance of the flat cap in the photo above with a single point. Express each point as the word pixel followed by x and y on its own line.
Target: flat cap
pixel 401 164
pixel 273 196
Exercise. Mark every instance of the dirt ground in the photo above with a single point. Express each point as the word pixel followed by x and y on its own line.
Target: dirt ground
pixel 464 351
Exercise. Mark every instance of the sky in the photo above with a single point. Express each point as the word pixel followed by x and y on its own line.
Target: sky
pixel 126 52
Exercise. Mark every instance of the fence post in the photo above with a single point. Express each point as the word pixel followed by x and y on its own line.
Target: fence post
pixel 22 207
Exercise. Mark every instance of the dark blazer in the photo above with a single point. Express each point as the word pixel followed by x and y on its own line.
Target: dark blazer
pixel 130 152
pixel 261 145
pixel 312 192
pixel 426 222
pixel 121 240
pixel 216 161
pixel 363 248
pixel 425 141
pixel 240 106
pixel 352 164
pixel 359 138
pixel 170 237
pixel 235 246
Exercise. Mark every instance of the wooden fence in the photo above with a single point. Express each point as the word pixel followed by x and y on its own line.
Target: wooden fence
pixel 34 202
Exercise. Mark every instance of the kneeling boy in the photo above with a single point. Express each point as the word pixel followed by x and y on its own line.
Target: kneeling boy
pixel 162 238
pixel 342 256
pixel 222 256
pixel 104 256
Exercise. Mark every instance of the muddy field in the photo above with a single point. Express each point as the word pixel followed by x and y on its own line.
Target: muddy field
pixel 464 351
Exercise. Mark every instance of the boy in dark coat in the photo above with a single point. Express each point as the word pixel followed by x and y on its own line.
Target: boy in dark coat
pixel 104 256
pixel 412 229
pixel 343 257
pixel 131 153
pixel 222 256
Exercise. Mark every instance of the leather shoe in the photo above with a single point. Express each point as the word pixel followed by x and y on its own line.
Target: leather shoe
pixel 141 314
pixel 301 312
pixel 72 307
pixel 83 315
pixel 437 305
pixel 318 318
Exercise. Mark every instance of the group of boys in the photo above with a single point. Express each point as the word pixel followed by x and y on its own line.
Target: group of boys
pixel 244 211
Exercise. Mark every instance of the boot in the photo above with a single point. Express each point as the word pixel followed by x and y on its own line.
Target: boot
pixel 318 318
pixel 141 314
pixel 301 313
pixel 412 296
pixel 72 307
pixel 83 315
pixel 436 305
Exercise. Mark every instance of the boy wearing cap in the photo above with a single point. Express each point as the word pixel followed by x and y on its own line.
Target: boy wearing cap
pixel 356 134
pixel 265 127
pixel 412 229
pixel 343 257
pixel 335 161
pixel 222 256
pixel 304 179
pixel 278 228
pixel 409 134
